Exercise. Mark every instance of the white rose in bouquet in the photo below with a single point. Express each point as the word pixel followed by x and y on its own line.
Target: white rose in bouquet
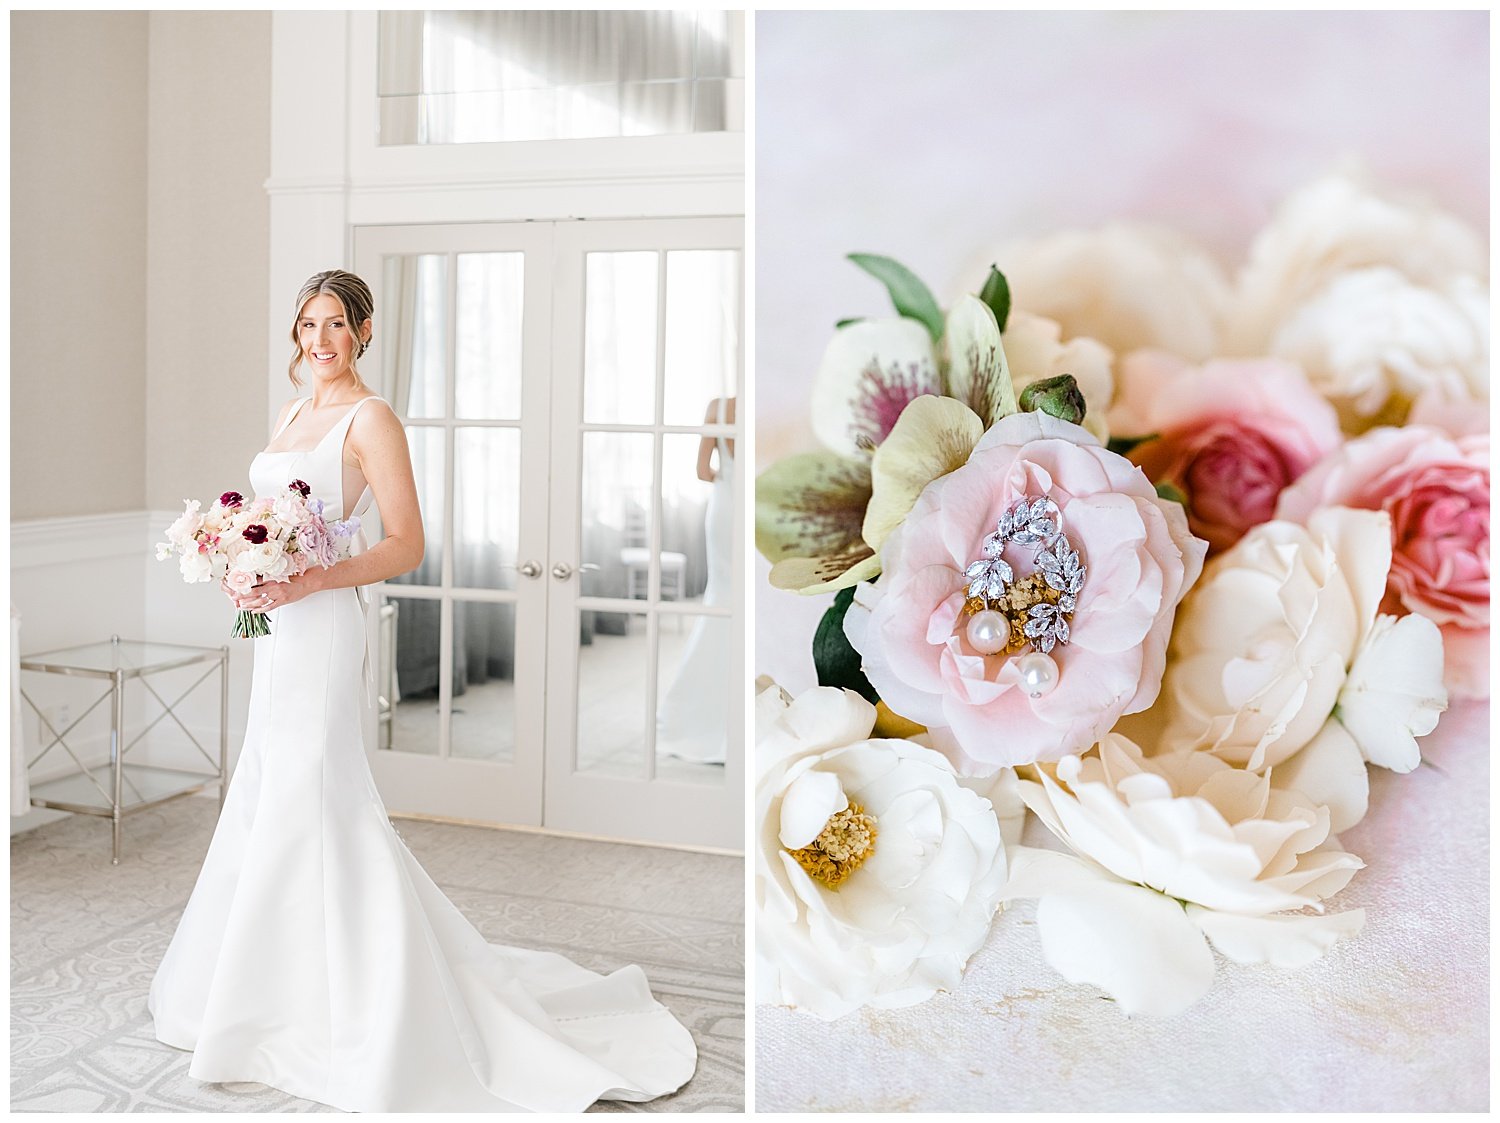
pixel 265 559
pixel 1280 660
pixel 1169 850
pixel 1373 342
pixel 877 873
pixel 1127 285
pixel 1331 226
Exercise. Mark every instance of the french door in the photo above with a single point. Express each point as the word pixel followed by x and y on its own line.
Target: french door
pixel 569 653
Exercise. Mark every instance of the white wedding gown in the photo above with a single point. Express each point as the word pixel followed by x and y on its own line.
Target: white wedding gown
pixel 316 956
pixel 692 723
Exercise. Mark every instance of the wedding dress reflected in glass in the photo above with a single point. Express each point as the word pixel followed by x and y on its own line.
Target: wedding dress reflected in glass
pixel 316 956
pixel 692 721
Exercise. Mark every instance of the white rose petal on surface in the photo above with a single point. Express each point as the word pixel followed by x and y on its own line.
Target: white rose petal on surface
pixel 1134 944
pixel 1165 849
pixel 1282 941
pixel 877 874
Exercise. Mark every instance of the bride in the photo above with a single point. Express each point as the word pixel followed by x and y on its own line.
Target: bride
pixel 315 955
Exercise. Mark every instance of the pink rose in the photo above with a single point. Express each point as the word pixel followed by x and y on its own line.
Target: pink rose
pixel 1230 435
pixel 1139 559
pixel 239 581
pixel 1436 490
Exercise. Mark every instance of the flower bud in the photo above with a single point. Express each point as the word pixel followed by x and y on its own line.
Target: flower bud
pixel 1058 396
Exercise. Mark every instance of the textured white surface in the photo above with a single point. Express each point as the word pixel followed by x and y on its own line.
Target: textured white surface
pixel 1396 1019
pixel 938 137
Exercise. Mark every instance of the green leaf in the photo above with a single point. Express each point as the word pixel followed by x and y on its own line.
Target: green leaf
pixel 1171 493
pixel 1058 396
pixel 846 322
pixel 837 662
pixel 1124 446
pixel 911 297
pixel 996 293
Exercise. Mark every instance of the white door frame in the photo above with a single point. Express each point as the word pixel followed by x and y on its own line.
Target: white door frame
pixel 645 806
pixel 441 784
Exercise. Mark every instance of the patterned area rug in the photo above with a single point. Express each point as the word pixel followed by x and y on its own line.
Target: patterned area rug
pixel 86 938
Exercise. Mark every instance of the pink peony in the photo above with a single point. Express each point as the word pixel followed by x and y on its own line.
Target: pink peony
pixel 1139 557
pixel 1436 490
pixel 1230 435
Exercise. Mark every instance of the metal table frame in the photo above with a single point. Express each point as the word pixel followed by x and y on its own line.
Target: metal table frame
pixel 56 662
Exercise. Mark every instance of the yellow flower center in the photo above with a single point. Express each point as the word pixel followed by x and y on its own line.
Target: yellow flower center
pixel 847 839
pixel 1015 605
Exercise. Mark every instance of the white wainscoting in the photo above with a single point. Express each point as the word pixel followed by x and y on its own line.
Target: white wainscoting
pixel 82 580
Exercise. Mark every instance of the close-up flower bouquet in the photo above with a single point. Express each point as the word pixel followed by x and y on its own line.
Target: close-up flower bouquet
pixel 1170 586
pixel 242 543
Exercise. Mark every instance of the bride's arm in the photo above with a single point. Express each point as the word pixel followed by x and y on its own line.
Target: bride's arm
pixel 378 440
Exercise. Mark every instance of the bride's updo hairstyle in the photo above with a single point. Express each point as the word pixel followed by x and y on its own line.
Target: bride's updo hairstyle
pixel 353 296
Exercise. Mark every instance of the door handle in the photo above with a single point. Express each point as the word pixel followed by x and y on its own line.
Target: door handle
pixel 531 569
pixel 562 571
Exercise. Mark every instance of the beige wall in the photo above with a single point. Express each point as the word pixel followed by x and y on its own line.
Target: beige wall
pixel 78 262
pixel 208 252
pixel 140 149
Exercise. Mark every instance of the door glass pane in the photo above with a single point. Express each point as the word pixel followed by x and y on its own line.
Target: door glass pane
pixel 693 690
pixel 616 508
pixel 426 467
pixel 686 552
pixel 614 664
pixel 619 338
pixel 426 444
pixel 484 681
pixel 487 376
pixel 406 680
pixel 702 333
pixel 414 333
pixel 486 507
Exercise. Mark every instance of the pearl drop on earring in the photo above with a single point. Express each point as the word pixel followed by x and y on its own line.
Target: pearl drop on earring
pixel 988 632
pixel 1038 673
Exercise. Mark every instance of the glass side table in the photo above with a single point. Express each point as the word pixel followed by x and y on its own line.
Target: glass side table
pixel 118 788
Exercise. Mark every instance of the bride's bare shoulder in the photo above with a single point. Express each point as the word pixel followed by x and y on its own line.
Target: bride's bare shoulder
pixel 375 426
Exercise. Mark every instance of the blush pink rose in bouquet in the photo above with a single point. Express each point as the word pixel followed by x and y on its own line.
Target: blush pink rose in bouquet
pixel 1436 490
pixel 1229 435
pixel 1137 558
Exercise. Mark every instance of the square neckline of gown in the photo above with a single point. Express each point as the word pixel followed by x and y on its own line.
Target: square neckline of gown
pixel 321 441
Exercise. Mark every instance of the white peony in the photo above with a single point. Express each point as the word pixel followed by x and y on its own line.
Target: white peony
pixel 187 524
pixel 901 866
pixel 264 559
pixel 195 566
pixel 1373 342
pixel 1332 226
pixel 1168 851
pixel 1279 660
pixel 1127 285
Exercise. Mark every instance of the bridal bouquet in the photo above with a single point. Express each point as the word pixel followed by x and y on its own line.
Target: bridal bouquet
pixel 243 544
pixel 1164 559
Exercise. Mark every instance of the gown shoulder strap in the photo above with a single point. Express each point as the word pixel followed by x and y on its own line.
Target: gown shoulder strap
pixel 297 404
pixel 337 433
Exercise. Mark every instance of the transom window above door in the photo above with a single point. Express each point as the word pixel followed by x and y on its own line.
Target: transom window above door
pixel 463 77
